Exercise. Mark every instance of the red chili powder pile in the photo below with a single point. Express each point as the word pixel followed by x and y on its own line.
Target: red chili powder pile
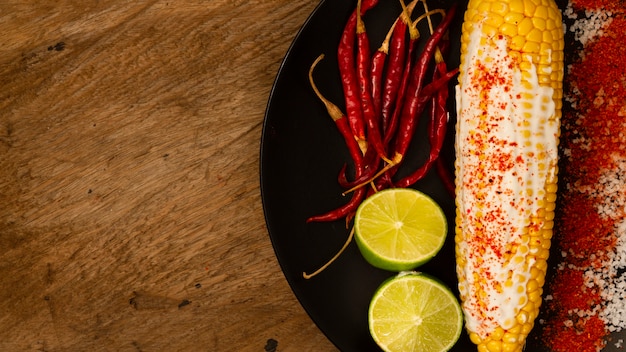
pixel 584 298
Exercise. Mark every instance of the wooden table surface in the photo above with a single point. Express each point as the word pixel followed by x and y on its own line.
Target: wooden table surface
pixel 130 216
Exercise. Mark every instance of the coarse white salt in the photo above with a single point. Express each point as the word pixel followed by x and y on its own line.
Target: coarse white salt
pixel 613 291
pixel 588 27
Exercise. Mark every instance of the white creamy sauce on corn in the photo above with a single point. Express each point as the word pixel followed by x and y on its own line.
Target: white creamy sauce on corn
pixel 501 150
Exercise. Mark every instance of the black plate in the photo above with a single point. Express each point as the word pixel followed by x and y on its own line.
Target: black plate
pixel 301 155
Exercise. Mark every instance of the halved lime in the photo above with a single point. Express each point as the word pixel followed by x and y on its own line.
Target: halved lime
pixel 414 312
pixel 399 229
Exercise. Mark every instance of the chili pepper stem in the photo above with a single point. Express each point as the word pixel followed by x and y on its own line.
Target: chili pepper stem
pixel 333 110
pixel 426 15
pixel 438 54
pixel 363 145
pixel 384 46
pixel 395 161
pixel 329 262
pixel 339 118
pixel 406 16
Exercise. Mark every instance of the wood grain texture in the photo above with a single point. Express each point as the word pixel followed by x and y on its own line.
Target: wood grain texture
pixel 131 217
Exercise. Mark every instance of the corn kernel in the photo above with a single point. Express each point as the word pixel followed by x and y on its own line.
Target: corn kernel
pixel 513 18
pixel 522 317
pixel 497 334
pixel 522 300
pixel 548 225
pixel 554 14
pixel 545 80
pixel 517 6
pixel 508 29
pixel 542 265
pixel 535 36
pixel 557 33
pixel 494 346
pixel 541 12
pixel 500 7
pixel 510 347
pixel 489 30
pixel 532 285
pixel 517 43
pixel 494 20
pixel 545 243
pixel 540 23
pixel 531 47
pixel 517 329
pixel 525 26
pixel 529 8
pixel 510 337
pixel 515 56
pixel 541 280
pixel 466 27
pixel 545 60
pixel 469 15
pixel 475 338
pixel 484 6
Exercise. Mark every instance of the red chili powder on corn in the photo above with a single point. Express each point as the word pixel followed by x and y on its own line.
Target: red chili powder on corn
pixel 584 297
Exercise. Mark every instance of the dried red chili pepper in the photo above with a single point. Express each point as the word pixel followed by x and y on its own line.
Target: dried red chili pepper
pixel 379 59
pixel 416 95
pixel 438 117
pixel 370 118
pixel 446 176
pixel 396 61
pixel 371 165
pixel 343 211
pixel 376 73
pixel 392 121
pixel 347 70
pixel 437 130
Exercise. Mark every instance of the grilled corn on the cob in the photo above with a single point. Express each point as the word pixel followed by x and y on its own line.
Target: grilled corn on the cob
pixel 508 107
